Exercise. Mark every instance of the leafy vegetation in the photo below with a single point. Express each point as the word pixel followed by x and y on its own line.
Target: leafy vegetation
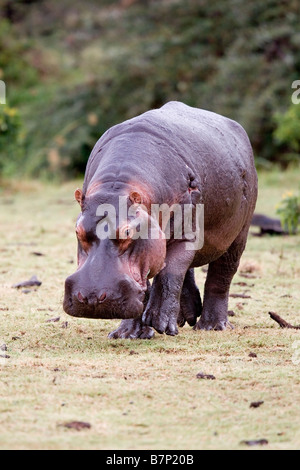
pixel 11 141
pixel 287 132
pixel 289 211
pixel 76 68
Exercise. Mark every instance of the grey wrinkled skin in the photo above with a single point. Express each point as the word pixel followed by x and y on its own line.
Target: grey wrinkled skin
pixel 173 155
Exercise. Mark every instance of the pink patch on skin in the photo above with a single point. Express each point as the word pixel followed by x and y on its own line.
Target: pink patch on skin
pixel 81 233
pixel 103 297
pixel 93 188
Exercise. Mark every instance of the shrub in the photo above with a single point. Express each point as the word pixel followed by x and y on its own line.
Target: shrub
pixel 11 141
pixel 287 132
pixel 114 60
pixel 289 211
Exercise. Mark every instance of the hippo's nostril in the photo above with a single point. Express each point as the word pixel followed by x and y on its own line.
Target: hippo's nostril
pixel 102 297
pixel 81 298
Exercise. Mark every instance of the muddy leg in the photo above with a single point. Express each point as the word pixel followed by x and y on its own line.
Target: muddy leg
pixel 164 304
pixel 134 328
pixel 190 301
pixel 216 292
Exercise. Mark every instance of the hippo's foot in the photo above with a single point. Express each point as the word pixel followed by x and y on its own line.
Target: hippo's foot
pixel 190 310
pixel 190 302
pixel 162 316
pixel 132 329
pixel 218 325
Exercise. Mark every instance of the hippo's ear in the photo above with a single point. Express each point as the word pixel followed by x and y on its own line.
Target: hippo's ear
pixel 78 196
pixel 136 197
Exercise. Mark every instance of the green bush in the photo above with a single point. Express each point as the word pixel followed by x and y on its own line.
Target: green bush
pixel 14 66
pixel 11 141
pixel 288 129
pixel 289 211
pixel 100 63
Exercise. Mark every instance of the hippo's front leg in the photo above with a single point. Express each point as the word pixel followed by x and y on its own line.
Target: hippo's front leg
pixel 164 304
pixel 134 328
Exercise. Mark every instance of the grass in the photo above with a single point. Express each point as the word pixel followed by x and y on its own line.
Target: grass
pixel 142 394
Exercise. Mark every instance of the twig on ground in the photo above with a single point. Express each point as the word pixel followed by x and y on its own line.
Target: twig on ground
pixel 282 323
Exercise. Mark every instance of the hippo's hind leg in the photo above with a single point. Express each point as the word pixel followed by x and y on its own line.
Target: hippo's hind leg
pixel 134 328
pixel 190 301
pixel 217 285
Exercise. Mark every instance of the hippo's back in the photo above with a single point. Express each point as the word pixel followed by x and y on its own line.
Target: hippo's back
pixel 162 142
pixel 207 135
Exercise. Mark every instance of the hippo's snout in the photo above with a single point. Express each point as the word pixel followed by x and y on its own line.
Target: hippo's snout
pixel 92 299
pixel 125 300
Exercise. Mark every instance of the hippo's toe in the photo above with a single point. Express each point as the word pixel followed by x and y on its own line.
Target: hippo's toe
pixel 132 329
pixel 216 326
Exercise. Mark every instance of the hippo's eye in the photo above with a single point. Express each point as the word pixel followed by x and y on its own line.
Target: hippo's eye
pixel 85 239
pixel 126 232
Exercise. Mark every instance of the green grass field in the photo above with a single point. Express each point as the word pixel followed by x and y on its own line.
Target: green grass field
pixel 142 394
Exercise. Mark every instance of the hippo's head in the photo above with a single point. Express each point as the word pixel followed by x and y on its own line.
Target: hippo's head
pixel 120 247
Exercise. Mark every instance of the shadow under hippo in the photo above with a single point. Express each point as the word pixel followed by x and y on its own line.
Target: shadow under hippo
pixel 145 181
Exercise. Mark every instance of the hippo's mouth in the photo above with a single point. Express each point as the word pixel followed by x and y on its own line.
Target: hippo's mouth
pixel 121 309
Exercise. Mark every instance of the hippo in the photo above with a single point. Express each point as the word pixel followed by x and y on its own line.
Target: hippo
pixel 267 225
pixel 176 156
